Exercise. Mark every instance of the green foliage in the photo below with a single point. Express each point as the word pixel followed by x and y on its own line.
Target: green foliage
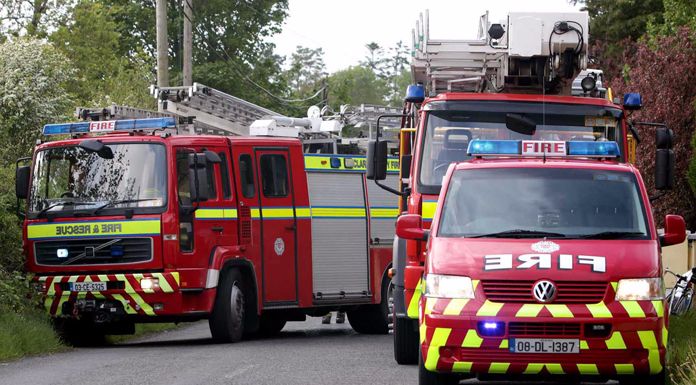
pixel 681 353
pixel 356 85
pixel 678 13
pixel 26 332
pixel 33 76
pixel 32 17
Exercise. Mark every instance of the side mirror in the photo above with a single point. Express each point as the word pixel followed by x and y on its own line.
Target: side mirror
pixel 410 226
pixel 377 160
pixel 22 182
pixel 675 230
pixel 198 177
pixel 664 159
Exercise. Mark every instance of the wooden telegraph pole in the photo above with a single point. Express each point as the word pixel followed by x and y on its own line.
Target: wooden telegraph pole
pixel 162 44
pixel 188 43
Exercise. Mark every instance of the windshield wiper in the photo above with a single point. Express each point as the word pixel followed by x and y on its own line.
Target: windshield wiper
pixel 118 202
pixel 45 210
pixel 613 235
pixel 521 233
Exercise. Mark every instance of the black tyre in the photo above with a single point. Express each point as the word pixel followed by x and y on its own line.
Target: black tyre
pixel 426 377
pixel 270 326
pixel 657 379
pixel 368 319
pixel 406 341
pixel 227 320
pixel 79 333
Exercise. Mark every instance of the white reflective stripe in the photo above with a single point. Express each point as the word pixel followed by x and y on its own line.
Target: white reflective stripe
pixel 211 280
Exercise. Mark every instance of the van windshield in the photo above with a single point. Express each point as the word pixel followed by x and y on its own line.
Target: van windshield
pixel 542 202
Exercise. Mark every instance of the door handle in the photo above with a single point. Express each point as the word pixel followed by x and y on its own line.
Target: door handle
pixel 218 229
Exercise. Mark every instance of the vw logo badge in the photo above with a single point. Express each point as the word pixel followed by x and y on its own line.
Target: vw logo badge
pixel 544 291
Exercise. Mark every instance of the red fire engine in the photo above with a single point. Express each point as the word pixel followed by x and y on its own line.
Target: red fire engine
pixel 507 85
pixel 543 260
pixel 127 223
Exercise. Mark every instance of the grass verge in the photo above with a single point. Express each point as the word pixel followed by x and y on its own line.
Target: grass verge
pixel 25 333
pixel 682 349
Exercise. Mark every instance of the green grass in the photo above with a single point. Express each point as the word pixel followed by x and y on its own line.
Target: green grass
pixel 26 333
pixel 682 349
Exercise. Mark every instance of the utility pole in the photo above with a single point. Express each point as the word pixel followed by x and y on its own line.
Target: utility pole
pixel 188 43
pixel 162 44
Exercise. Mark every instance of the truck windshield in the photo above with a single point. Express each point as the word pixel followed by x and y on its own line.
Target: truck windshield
pixel 69 179
pixel 542 202
pixel 449 131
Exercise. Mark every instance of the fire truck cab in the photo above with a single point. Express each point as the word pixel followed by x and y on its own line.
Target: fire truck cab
pixel 127 223
pixel 542 260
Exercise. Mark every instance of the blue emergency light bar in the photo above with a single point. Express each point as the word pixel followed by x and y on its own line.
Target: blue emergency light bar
pixel 109 126
pixel 478 147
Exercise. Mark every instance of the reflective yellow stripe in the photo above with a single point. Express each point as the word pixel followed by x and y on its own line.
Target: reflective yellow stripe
pixel 498 367
pixel 126 305
pixel 624 368
pixel 422 330
pixel 504 344
pixel 647 338
pixel 489 309
pixel 659 308
pixel 255 213
pixel 555 368
pixel 215 213
pixel 475 282
pixel 336 212
pixel 599 310
pixel 91 229
pixel 355 163
pixel 164 285
pixel 176 277
pixel 429 305
pixel 277 212
pixel 412 310
pixel 633 309
pixel 136 297
pixel 588 369
pixel 529 310
pixel 615 285
pixel 455 306
pixel 534 368
pixel 462 367
pixel 584 345
pixel 303 212
pixel 472 340
pixel 52 285
pixel 616 341
pixel 428 209
pixel 383 212
pixel 665 336
pixel 559 311
pixel 439 339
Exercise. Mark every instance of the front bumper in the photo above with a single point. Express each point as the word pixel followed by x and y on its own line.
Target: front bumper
pixel 123 297
pixel 451 342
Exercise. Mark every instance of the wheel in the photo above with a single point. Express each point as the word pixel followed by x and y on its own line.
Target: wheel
pixel 405 341
pixel 270 326
pixel 426 377
pixel 227 320
pixel 657 379
pixel 368 319
pixel 79 333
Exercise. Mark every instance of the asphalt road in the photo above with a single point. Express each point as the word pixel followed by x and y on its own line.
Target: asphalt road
pixel 304 353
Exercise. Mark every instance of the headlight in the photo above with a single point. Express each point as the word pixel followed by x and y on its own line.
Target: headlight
pixel 642 289
pixel 149 283
pixel 448 286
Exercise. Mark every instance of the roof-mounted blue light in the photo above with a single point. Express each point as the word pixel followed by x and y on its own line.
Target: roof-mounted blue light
pixel 632 101
pixel 415 93
pixel 493 147
pixel 594 149
pixel 109 126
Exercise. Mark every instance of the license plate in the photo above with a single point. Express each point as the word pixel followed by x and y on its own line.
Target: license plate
pixel 88 286
pixel 544 345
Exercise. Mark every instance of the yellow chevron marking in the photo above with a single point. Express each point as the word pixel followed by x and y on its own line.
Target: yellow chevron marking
pixel 136 297
pixel 534 368
pixel 422 330
pixel 588 369
pixel 529 310
pixel 475 282
pixel 584 345
pixel 633 309
pixel 489 309
pixel 647 338
pixel 412 311
pixel 624 368
pixel 665 336
pixel 472 340
pixel 615 285
pixel 429 305
pixel 616 341
pixel 555 368
pixel 439 339
pixel 52 285
pixel 176 277
pixel 599 310
pixel 559 311
pixel 659 308
pixel 462 367
pixel 164 285
pixel 455 306
pixel 498 367
pixel 504 344
pixel 126 305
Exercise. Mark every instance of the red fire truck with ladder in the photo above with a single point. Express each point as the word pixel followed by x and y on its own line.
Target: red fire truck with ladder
pixel 126 222
pixel 515 82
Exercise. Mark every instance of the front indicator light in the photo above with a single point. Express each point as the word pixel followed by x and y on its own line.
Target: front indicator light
pixel 149 283
pixel 448 286
pixel 641 289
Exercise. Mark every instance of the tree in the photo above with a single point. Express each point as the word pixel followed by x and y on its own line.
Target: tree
pixel 32 17
pixel 374 50
pixel 355 86
pixel 669 96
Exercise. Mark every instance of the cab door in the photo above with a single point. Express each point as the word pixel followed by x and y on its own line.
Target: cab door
pixel 278 226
